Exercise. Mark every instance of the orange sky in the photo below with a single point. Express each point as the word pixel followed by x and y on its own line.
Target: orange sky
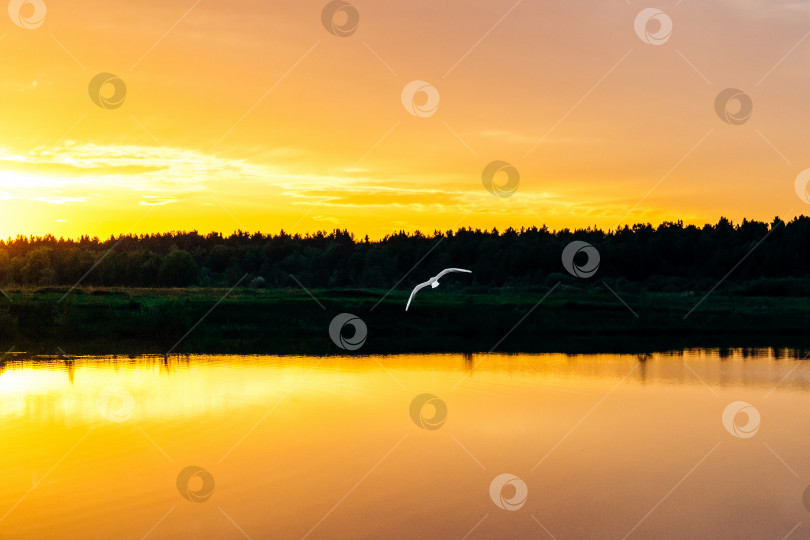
pixel 250 114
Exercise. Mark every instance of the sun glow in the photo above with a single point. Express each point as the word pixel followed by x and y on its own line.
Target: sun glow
pixel 266 121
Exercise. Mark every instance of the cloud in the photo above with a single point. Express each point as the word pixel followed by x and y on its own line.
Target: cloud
pixel 383 197
pixel 60 200
pixel 155 201
pixel 517 138
pixel 327 218
pixel 139 168
pixel 71 170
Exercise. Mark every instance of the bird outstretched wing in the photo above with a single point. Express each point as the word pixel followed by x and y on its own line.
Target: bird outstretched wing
pixel 448 270
pixel 414 291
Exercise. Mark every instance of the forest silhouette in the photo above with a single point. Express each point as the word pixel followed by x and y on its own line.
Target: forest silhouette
pixel 772 258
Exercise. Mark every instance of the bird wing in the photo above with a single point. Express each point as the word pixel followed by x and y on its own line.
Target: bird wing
pixel 414 291
pixel 448 270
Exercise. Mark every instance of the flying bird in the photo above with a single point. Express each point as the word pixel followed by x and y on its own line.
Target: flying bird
pixel 433 282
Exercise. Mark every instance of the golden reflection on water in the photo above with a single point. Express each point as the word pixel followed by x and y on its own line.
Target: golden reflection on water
pixel 325 447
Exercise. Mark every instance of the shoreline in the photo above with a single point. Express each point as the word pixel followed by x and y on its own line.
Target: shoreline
pixel 289 321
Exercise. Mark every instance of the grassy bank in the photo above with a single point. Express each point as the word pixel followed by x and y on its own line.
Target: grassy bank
pixel 290 321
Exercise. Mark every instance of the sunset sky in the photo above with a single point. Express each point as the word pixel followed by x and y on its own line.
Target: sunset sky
pixel 251 115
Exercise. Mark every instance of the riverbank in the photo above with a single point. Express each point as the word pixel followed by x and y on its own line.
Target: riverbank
pixel 289 321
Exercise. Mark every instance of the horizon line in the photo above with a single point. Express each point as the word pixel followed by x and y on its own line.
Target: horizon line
pixel 413 232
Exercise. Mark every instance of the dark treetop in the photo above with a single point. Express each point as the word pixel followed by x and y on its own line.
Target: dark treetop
pixel 670 257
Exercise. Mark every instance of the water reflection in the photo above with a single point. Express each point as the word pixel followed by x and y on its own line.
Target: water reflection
pixel 326 446
pixel 217 380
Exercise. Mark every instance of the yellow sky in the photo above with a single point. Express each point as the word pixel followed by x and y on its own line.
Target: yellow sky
pixel 251 115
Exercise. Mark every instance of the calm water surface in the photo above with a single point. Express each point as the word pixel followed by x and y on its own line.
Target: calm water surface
pixel 606 445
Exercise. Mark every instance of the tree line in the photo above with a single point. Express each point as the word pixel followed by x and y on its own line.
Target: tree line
pixel 670 256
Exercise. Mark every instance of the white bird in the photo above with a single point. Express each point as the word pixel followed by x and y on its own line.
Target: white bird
pixel 434 282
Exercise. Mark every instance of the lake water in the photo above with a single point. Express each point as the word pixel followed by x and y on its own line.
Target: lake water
pixel 596 446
